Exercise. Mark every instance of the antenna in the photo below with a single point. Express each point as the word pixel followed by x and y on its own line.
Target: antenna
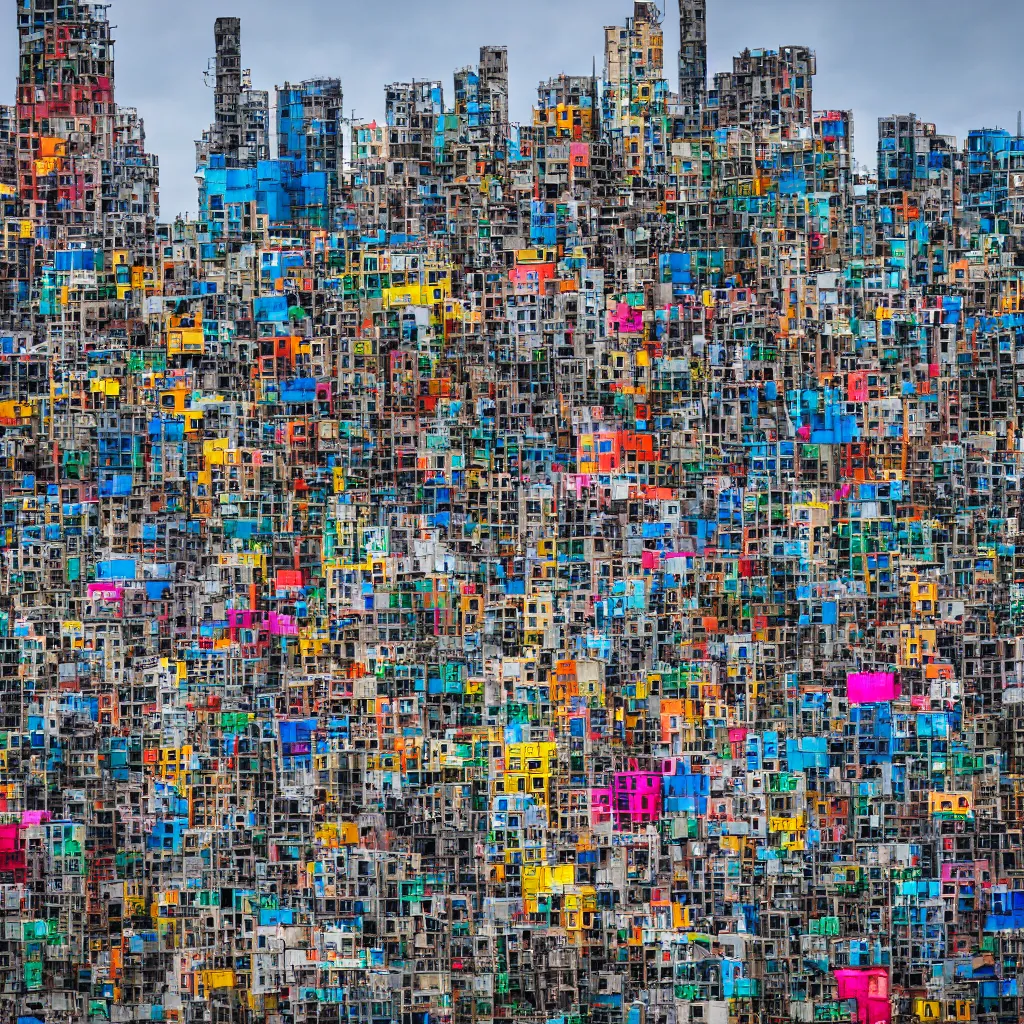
pixel 1019 133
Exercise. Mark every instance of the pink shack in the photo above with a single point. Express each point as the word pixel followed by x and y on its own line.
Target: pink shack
pixel 870 989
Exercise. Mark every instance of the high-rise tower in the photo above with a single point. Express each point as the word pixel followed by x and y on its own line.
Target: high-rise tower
pixel 693 61
pixel 494 82
pixel 240 131
pixel 65 112
pixel 226 135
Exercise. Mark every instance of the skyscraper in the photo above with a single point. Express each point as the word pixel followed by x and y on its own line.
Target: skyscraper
pixel 693 61
pixel 65 113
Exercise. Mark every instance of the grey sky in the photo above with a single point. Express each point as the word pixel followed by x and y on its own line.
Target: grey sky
pixel 954 62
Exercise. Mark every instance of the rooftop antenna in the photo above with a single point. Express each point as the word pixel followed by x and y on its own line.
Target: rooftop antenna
pixel 1019 133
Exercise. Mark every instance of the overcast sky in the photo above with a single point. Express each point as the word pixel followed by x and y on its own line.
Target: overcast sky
pixel 954 62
